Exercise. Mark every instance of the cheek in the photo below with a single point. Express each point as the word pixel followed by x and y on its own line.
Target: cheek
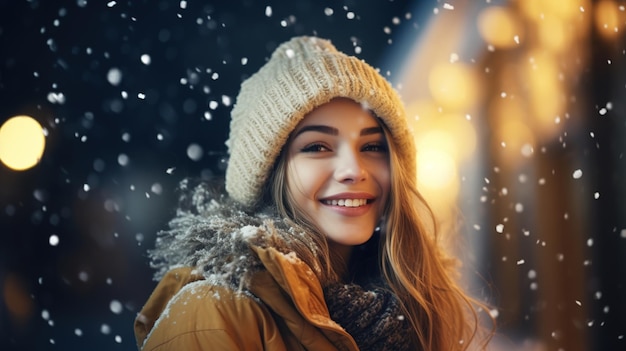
pixel 383 178
pixel 302 179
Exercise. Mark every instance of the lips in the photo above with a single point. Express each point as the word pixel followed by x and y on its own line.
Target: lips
pixel 346 202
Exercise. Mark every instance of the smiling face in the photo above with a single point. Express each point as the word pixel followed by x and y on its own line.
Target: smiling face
pixel 338 171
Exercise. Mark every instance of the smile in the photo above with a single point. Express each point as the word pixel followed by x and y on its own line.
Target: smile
pixel 346 202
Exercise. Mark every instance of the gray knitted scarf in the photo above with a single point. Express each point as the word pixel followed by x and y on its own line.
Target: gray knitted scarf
pixel 371 315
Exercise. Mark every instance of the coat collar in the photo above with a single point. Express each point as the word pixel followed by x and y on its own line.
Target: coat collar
pixel 285 274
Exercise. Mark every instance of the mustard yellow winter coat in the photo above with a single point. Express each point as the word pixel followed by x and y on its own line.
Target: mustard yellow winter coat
pixel 282 308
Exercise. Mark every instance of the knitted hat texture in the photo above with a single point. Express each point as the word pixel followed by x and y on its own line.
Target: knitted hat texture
pixel 302 74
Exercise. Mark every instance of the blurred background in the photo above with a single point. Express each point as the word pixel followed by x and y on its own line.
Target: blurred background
pixel 518 108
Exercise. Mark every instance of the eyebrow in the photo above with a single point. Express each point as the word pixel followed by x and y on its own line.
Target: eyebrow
pixel 335 131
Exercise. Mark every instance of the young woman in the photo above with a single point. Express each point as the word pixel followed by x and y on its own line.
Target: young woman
pixel 321 240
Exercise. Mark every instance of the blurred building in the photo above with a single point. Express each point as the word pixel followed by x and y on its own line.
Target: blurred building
pixel 520 119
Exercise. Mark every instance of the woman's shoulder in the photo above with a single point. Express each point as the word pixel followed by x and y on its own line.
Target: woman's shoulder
pixel 186 308
pixel 202 304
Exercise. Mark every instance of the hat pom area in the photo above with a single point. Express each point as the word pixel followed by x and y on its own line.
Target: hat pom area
pixel 302 74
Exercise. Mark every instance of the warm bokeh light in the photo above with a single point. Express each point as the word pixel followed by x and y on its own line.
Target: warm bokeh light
pixel 22 142
pixel 545 90
pixel 437 177
pixel 462 131
pixel 453 85
pixel 17 299
pixel 440 140
pixel 532 9
pixel 553 34
pixel 609 18
pixel 538 10
pixel 450 132
pixel 565 9
pixel 516 138
pixel 557 23
pixel 436 168
pixel 513 135
pixel 443 141
pixel 420 112
pixel 499 26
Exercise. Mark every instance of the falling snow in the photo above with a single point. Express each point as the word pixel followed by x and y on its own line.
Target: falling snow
pixel 53 240
pixel 577 174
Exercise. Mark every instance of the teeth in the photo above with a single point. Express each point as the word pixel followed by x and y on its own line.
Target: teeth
pixel 347 202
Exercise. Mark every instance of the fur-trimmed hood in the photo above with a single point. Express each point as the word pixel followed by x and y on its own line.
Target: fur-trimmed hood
pixel 214 234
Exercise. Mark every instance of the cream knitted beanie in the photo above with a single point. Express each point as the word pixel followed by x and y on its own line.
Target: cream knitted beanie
pixel 302 74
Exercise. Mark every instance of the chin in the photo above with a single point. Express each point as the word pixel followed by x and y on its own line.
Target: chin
pixel 350 237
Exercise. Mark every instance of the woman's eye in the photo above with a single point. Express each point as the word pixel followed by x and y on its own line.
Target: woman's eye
pixel 315 148
pixel 375 147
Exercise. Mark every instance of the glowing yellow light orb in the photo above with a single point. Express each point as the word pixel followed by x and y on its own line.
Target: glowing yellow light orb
pixel 609 18
pixel 436 169
pixel 22 142
pixel 453 85
pixel 437 178
pixel 499 26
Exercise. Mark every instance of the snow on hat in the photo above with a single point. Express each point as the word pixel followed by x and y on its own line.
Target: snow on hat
pixel 302 74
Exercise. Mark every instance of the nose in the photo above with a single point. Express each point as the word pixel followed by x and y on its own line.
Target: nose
pixel 349 166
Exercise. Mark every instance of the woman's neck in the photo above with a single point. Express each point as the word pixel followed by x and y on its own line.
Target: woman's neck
pixel 341 254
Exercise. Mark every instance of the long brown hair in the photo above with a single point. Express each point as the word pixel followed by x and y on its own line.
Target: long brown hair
pixel 422 274
pixel 411 260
